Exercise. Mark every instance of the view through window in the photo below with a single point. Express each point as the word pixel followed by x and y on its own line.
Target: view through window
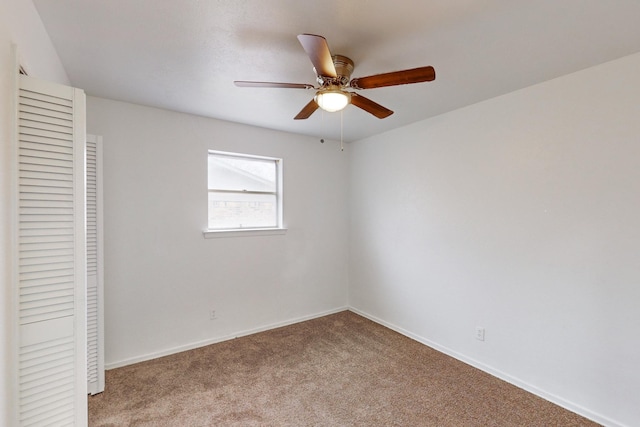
pixel 244 191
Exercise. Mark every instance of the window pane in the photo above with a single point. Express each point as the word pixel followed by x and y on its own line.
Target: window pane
pixel 238 174
pixel 228 210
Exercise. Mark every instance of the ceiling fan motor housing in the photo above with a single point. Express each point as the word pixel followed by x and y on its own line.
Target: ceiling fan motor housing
pixel 344 68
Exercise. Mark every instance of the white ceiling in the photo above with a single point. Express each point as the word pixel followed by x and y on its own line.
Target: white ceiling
pixel 184 55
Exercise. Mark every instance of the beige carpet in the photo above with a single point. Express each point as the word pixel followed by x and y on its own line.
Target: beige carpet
pixel 339 370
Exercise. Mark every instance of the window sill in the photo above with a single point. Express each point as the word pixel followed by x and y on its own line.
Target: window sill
pixel 244 232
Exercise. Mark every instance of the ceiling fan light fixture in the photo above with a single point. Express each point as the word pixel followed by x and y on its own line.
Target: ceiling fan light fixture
pixel 332 100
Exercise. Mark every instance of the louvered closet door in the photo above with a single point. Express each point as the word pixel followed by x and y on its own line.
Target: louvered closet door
pixel 52 388
pixel 95 294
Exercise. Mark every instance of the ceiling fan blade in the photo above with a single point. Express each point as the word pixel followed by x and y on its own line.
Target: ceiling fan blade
pixel 369 106
pixel 414 75
pixel 241 83
pixel 307 111
pixel 318 51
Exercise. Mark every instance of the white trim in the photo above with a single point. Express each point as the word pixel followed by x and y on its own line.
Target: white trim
pixel 80 201
pixel 100 249
pixel 173 350
pixel 215 234
pixel 573 407
pixel 245 155
pixel 14 218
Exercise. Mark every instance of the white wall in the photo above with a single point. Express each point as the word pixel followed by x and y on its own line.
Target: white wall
pixel 162 277
pixel 20 25
pixel 520 214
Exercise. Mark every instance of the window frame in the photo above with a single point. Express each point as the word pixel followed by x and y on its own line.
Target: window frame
pixel 256 230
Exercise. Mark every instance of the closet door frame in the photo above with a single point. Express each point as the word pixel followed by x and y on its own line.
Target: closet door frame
pixel 13 358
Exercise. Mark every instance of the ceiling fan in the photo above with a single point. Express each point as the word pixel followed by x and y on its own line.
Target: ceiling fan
pixel 333 75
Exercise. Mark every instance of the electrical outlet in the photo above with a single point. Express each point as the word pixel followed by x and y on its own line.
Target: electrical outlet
pixel 480 333
pixel 212 315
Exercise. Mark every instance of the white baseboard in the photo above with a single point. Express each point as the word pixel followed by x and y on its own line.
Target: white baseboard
pixel 580 410
pixel 191 346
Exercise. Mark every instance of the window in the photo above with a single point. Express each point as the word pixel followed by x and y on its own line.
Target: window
pixel 245 192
